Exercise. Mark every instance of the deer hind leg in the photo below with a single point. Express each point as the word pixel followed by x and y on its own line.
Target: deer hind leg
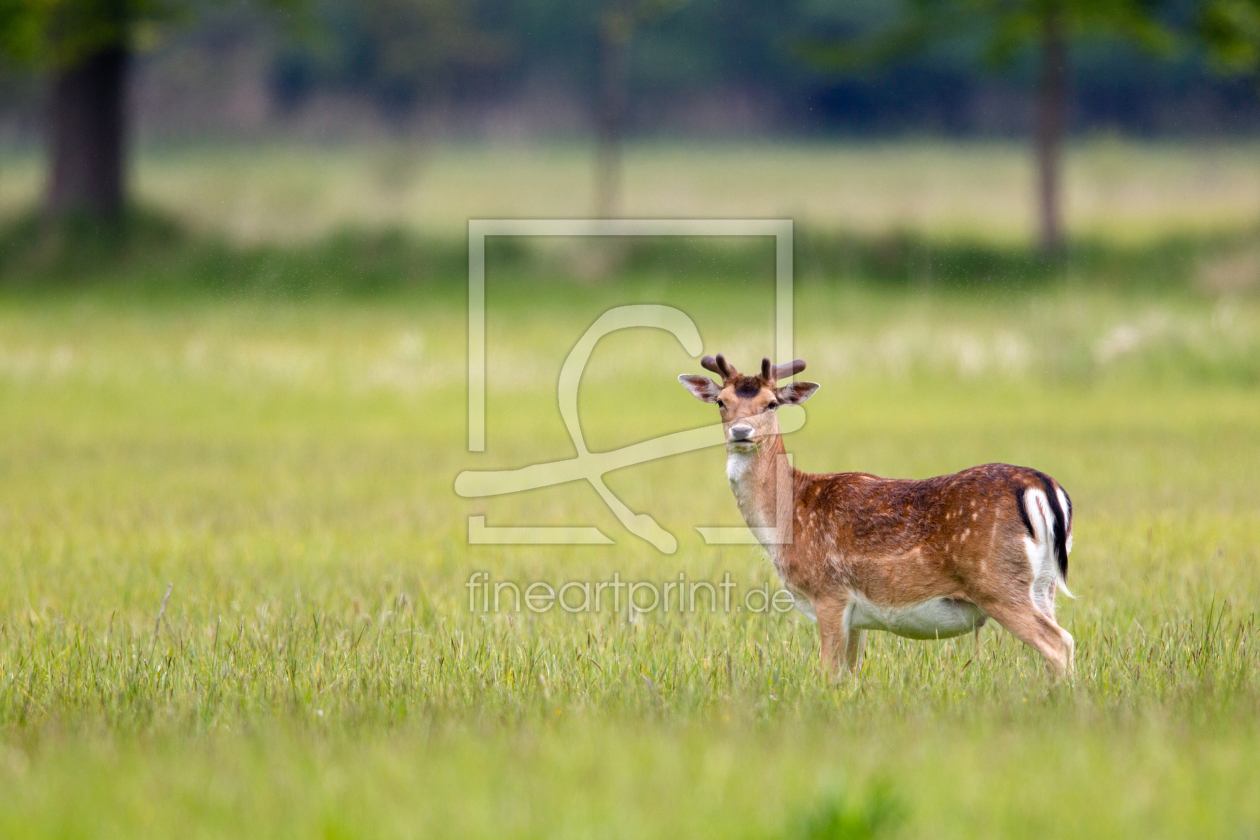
pixel 1034 628
pixel 1043 598
pixel 1044 588
pixel 838 644
pixel 1045 603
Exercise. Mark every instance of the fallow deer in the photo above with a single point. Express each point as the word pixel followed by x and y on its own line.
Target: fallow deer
pixel 925 559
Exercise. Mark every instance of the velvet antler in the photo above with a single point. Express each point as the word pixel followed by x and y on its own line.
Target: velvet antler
pixel 790 369
pixel 719 366
pixel 770 373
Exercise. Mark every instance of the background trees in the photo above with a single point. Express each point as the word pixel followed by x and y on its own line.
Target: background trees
pixel 624 67
pixel 85 47
pixel 995 33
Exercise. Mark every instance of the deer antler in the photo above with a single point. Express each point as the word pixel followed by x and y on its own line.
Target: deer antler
pixel 770 373
pixel 790 369
pixel 719 366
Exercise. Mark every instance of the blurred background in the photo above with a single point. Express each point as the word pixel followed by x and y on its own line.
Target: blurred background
pixel 1026 123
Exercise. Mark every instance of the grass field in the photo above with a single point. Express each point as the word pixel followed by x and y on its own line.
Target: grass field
pixel 1120 191
pixel 273 432
pixel 286 465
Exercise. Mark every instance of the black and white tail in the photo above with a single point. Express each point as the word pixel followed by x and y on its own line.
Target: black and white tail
pixel 1047 513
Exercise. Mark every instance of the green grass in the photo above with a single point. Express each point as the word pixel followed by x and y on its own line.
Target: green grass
pixel 283 452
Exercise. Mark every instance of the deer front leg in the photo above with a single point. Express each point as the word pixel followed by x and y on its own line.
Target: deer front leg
pixel 833 631
pixel 853 653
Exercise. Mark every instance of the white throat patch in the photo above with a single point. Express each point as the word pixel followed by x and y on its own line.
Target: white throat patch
pixel 739 469
pixel 737 466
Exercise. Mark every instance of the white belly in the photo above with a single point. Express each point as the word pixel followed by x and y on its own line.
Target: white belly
pixel 936 618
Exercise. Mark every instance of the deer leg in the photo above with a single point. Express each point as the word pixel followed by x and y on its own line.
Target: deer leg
pixel 853 649
pixel 833 632
pixel 1043 597
pixel 1031 626
pixel 839 646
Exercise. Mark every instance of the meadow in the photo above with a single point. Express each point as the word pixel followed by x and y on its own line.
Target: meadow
pixel 235 566
pixel 1119 190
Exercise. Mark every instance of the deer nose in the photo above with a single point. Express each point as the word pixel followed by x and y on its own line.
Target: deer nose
pixel 741 432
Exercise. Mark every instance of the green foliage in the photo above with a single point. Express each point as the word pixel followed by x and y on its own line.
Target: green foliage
pixel 58 33
pixel 46 33
pixel 20 31
pixel 997 30
pixel 838 816
pixel 149 254
pixel 395 52
pixel 1230 31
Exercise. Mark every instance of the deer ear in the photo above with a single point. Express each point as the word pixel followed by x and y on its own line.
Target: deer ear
pixel 701 387
pixel 796 393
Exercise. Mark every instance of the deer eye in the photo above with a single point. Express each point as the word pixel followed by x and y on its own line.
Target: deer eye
pixel 721 404
pixel 772 406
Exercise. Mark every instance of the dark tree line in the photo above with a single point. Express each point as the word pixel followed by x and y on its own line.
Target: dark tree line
pixel 998 32
pixel 85 47
pixel 818 63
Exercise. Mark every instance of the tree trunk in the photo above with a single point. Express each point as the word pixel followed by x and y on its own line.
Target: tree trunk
pixel 87 141
pixel 1051 121
pixel 614 40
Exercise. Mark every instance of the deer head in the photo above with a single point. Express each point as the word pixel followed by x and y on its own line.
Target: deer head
pixel 747 403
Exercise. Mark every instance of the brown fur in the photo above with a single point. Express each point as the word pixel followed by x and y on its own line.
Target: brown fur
pixel 896 542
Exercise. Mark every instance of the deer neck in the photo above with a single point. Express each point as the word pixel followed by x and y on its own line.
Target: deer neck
pixel 752 476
